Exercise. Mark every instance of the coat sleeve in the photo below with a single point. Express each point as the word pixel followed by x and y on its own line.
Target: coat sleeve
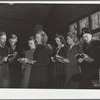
pixel 96 56
pixel 1 62
pixel 73 60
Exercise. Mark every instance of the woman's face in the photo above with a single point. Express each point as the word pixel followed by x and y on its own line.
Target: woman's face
pixel 38 39
pixel 31 44
pixel 87 37
pixel 3 39
pixel 12 42
pixel 70 40
pixel 58 41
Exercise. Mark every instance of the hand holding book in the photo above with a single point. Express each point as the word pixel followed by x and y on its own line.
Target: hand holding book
pixel 61 59
pixel 11 57
pixel 87 58
pixel 4 59
pixel 81 57
pixel 26 61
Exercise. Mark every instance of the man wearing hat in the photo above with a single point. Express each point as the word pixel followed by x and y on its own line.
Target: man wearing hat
pixel 90 62
pixel 15 66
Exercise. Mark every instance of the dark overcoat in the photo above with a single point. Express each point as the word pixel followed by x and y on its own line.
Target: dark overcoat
pixel 39 77
pixel 89 70
pixel 72 68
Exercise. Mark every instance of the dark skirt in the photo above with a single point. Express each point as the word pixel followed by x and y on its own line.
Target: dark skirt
pixel 39 77
pixel 4 76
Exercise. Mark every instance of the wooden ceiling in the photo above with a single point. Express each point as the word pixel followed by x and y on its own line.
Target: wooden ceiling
pixel 51 16
pixel 63 15
pixel 23 16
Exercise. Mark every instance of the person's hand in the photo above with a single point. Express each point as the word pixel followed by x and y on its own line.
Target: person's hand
pixel 26 60
pixel 57 56
pixel 4 59
pixel 65 60
pixel 15 54
pixel 11 59
pixel 52 59
pixel 85 55
pixel 80 60
pixel 30 62
pixel 22 60
pixel 87 58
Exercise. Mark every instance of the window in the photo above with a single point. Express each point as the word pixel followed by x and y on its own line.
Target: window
pixel 73 28
pixel 95 18
pixel 84 23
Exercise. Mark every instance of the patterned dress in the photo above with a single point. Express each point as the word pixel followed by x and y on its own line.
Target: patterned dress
pixel 27 69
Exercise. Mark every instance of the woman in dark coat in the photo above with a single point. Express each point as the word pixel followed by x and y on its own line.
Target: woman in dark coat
pixel 72 66
pixel 40 70
pixel 91 62
pixel 58 65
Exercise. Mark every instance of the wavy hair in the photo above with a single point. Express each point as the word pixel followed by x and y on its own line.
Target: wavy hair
pixel 62 40
pixel 74 37
pixel 44 37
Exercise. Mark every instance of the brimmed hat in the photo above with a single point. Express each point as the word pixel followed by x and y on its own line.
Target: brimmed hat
pixel 85 30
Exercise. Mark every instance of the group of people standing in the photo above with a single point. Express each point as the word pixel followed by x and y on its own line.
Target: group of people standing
pixel 72 64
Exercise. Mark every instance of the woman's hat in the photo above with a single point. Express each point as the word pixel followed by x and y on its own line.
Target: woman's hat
pixel 86 30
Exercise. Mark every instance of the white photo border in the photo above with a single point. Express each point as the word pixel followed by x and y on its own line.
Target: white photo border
pixel 50 93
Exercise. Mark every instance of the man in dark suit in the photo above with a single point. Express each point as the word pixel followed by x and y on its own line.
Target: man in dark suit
pixel 15 66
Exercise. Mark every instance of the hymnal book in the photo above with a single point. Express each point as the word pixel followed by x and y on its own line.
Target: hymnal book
pixel 84 56
pixel 24 60
pixel 80 55
pixel 11 56
pixel 59 58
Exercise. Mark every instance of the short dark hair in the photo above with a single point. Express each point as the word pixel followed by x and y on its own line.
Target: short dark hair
pixel 13 36
pixel 32 38
pixel 2 33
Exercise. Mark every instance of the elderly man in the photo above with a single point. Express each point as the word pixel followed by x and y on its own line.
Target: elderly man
pixel 91 59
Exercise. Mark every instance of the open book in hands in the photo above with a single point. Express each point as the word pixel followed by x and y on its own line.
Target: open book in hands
pixel 11 57
pixel 81 57
pixel 26 61
pixel 61 59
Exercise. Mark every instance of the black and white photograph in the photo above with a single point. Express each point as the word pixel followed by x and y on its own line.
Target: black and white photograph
pixel 49 46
